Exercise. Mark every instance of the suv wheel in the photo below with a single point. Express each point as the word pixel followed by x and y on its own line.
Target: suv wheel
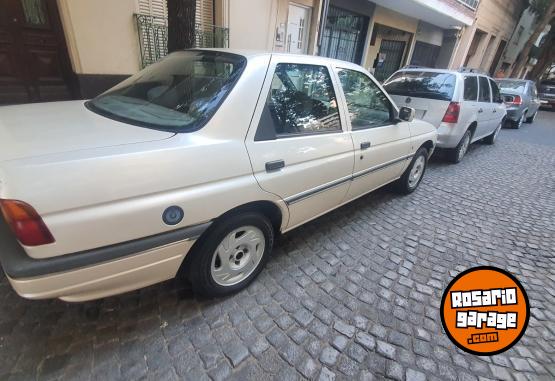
pixel 456 154
pixel 491 139
pixel 532 118
pixel 231 255
pixel 414 173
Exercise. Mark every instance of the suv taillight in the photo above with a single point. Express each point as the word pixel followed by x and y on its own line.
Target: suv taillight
pixel 26 224
pixel 452 113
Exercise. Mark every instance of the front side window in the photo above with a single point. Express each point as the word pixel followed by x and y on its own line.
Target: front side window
pixel 496 95
pixel 301 101
pixel 484 94
pixel 180 93
pixel 368 106
pixel 470 88
pixel 422 84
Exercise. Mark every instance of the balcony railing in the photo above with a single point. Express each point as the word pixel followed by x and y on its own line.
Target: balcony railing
pixel 153 37
pixel 472 4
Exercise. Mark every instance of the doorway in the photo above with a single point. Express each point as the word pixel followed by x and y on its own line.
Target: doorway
pixel 34 64
pixel 298 27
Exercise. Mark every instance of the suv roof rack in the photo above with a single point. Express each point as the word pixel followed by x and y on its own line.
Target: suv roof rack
pixel 415 67
pixel 464 69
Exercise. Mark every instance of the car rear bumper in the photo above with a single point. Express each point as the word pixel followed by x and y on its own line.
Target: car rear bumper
pixel 514 114
pixel 96 273
pixel 449 135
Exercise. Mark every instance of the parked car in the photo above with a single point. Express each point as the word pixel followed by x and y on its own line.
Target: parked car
pixel 547 94
pixel 464 106
pixel 521 99
pixel 190 168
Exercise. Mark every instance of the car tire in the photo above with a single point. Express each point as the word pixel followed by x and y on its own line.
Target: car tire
pixel 244 258
pixel 531 118
pixel 518 123
pixel 455 155
pixel 414 173
pixel 491 138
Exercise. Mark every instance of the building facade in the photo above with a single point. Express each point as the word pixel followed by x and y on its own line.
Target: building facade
pixel 70 49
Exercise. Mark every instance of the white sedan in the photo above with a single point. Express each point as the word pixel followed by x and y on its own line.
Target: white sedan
pixel 190 167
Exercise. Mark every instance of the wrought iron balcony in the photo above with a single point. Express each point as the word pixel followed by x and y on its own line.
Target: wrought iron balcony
pixel 153 37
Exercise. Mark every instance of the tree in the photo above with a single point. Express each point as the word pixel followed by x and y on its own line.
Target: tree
pixel 545 12
pixel 181 24
pixel 546 56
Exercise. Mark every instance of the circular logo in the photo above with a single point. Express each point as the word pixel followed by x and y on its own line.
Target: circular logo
pixel 408 100
pixel 485 310
pixel 173 215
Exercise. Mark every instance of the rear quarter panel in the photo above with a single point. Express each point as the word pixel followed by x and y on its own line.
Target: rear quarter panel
pixel 98 197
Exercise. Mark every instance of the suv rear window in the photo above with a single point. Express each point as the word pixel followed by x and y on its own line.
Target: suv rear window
pixel 178 93
pixel 422 84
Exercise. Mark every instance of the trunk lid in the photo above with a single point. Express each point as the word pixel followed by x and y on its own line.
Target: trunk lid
pixel 56 127
pixel 429 110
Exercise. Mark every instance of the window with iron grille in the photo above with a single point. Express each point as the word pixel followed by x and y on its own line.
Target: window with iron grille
pixel 472 4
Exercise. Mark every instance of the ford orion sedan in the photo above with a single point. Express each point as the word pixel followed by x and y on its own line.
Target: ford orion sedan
pixel 190 168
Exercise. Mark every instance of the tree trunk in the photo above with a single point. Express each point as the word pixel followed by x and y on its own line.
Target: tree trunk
pixel 546 58
pixel 181 24
pixel 540 26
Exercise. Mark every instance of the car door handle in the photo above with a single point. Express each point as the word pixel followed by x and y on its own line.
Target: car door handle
pixel 274 165
pixel 364 145
pixel 494 110
pixel 480 111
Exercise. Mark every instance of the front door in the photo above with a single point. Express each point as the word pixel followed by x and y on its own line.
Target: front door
pixel 297 29
pixel 34 64
pixel 382 145
pixel 485 109
pixel 298 148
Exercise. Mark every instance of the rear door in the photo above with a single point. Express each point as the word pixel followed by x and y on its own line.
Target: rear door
pixel 299 146
pixel 534 99
pixel 485 108
pixel 382 146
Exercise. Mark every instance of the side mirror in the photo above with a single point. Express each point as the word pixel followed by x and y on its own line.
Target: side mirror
pixel 406 114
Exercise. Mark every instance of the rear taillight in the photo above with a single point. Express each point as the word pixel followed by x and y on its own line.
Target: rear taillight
pixel 452 113
pixel 517 100
pixel 26 224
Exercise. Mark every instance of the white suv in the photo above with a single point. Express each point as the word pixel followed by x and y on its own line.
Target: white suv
pixel 464 106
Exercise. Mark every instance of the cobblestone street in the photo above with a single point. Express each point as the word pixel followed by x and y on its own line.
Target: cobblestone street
pixel 354 294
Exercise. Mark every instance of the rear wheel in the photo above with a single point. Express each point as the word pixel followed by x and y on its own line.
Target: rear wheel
pixel 455 155
pixel 532 118
pixel 231 255
pixel 414 173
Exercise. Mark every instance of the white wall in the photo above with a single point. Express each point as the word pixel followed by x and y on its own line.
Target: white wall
pixel 429 33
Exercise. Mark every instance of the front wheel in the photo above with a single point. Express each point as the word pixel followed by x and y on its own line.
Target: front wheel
pixel 414 173
pixel 455 155
pixel 231 255
pixel 491 139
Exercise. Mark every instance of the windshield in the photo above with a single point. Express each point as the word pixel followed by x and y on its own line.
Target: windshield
pixel 179 93
pixel 512 85
pixel 422 84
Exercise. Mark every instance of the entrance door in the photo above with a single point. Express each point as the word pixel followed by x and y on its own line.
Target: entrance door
pixel 34 64
pixel 389 58
pixel 297 29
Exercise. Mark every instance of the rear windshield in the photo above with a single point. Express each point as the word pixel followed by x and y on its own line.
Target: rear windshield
pixel 512 85
pixel 179 93
pixel 422 84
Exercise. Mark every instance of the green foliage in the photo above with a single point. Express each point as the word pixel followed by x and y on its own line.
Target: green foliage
pixel 539 7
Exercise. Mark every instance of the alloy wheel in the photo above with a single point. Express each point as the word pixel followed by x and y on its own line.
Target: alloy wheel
pixel 237 256
pixel 464 146
pixel 417 171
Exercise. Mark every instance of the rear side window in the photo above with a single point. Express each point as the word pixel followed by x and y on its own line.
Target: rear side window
pixel 422 84
pixel 495 95
pixel 301 101
pixel 484 94
pixel 470 88
pixel 368 105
